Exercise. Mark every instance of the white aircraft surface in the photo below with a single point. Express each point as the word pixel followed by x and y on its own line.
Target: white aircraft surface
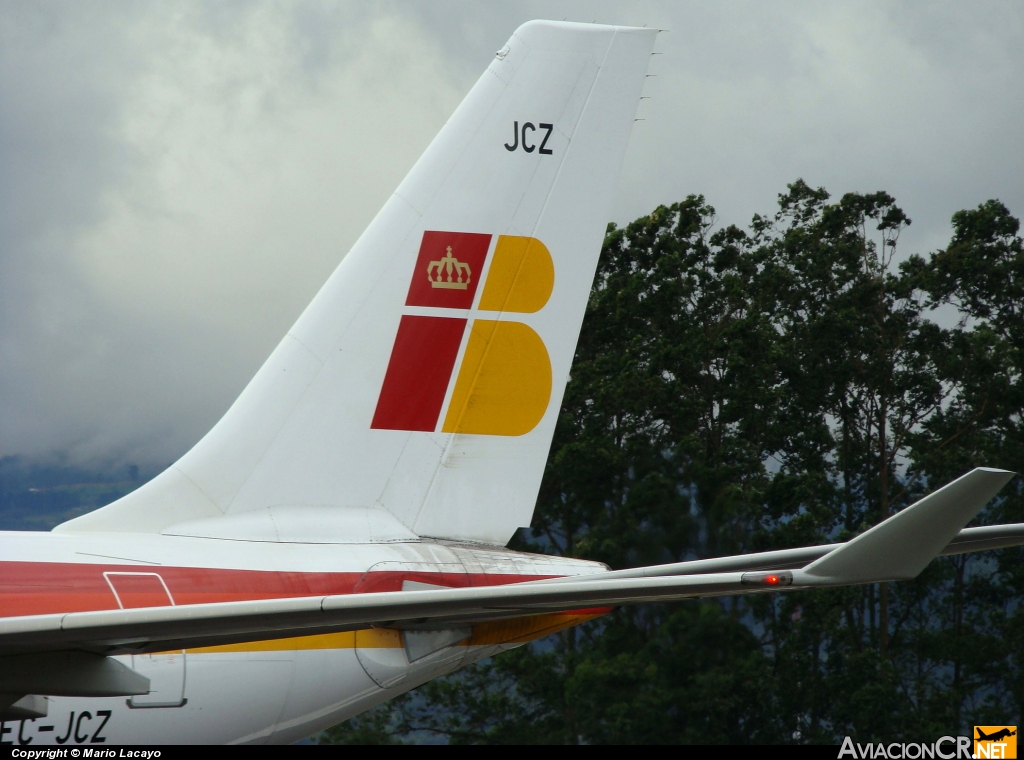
pixel 338 537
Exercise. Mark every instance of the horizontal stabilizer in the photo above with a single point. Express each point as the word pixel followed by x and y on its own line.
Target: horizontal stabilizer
pixel 899 548
pixel 69 674
pixel 986 538
pixel 967 541
pixel 198 625
pixel 28 707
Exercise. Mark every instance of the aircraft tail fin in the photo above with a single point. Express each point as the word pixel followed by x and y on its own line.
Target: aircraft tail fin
pixel 426 376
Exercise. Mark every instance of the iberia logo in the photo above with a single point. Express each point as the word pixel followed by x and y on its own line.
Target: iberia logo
pixel 995 741
pixel 503 383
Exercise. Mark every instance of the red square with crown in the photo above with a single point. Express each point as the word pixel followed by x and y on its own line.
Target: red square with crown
pixel 448 269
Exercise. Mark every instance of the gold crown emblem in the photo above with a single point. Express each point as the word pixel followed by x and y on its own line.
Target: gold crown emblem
pixel 451 269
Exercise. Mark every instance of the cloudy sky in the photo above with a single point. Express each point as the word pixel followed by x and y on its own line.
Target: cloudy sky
pixel 178 179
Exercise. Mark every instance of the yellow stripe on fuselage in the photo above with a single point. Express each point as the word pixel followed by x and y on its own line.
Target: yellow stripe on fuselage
pixel 515 631
pixel 372 638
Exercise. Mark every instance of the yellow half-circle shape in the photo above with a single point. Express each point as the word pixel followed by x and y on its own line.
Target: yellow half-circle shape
pixel 521 277
pixel 504 384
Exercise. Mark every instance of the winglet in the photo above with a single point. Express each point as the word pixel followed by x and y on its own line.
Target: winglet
pixel 899 548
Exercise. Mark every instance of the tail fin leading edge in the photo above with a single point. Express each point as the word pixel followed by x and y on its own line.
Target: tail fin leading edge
pixel 427 374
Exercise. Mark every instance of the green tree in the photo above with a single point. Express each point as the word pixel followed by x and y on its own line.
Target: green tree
pixel 981 274
pixel 741 390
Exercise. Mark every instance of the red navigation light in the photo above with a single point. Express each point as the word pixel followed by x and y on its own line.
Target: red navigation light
pixel 780 579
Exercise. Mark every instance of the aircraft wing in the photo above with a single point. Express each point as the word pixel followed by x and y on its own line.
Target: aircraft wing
pixel 897 549
pixel 965 542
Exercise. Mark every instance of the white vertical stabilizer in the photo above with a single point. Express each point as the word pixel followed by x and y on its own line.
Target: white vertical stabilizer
pixel 427 374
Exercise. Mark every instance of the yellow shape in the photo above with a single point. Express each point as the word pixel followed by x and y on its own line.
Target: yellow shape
pixel 995 742
pixel 521 630
pixel 371 638
pixel 379 638
pixel 504 384
pixel 521 276
pixel 515 630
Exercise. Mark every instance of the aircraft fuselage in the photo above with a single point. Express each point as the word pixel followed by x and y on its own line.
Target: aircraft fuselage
pixel 275 691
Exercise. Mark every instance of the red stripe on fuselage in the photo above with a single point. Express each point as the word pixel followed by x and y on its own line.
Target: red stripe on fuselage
pixel 39 588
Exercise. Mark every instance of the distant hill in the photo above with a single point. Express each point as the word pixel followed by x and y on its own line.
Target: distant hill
pixel 37 495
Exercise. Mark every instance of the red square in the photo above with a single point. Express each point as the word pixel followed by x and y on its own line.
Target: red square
pixel 418 373
pixel 448 269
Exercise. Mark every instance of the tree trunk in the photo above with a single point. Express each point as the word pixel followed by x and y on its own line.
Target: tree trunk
pixel 883 620
pixel 883 509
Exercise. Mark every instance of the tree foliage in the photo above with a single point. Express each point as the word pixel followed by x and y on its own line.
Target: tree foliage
pixel 741 390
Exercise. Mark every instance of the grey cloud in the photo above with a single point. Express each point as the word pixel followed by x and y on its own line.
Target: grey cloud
pixel 176 181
